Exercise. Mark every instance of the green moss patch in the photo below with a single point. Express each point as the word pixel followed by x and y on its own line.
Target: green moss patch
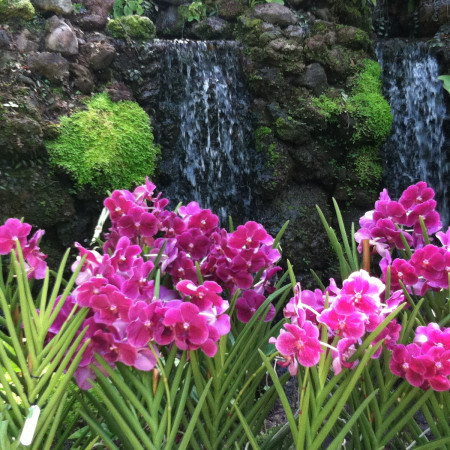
pixel 364 117
pixel 134 27
pixel 367 167
pixel 20 9
pixel 365 104
pixel 108 146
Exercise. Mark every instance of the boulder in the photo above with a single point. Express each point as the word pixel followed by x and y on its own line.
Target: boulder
pixel 19 135
pixel 27 194
pixel 24 44
pixel 212 28
pixel 98 52
pixel 305 243
pixel 134 27
pixel 353 38
pixel 229 9
pixel 295 32
pixel 20 9
pixel 323 14
pixel 315 79
pixel 275 13
pixel 96 15
pixel 5 42
pixel 83 79
pixel 118 92
pixel 61 7
pixel 61 38
pixel 169 22
pixel 432 15
pixel 50 65
pixel 6 57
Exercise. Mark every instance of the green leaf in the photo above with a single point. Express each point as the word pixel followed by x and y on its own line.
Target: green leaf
pixel 278 237
pixel 446 80
pixel 339 439
pixel 438 444
pixel 247 429
pixel 190 429
pixel 282 396
pixel 337 247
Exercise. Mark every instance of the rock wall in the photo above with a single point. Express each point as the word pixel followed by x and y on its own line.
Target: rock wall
pixel 302 65
pixel 413 18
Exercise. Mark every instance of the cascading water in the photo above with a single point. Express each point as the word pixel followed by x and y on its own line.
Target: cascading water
pixel 201 90
pixel 415 151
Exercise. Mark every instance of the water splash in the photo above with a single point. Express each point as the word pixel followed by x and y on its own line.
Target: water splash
pixel 201 82
pixel 415 151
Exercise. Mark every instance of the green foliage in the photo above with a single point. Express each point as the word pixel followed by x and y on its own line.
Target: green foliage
pixel 446 80
pixel 35 373
pixel 77 7
pixel 21 9
pixel 108 146
pixel 127 7
pixel 260 134
pixel 266 144
pixel 195 11
pixel 134 27
pixel 330 106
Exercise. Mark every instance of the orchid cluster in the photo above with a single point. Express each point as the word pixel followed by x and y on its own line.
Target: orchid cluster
pixel 426 362
pixel 351 313
pixel 394 223
pixel 166 278
pixel 391 220
pixel 14 232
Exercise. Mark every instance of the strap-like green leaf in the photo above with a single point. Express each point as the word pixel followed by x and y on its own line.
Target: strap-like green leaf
pixel 190 429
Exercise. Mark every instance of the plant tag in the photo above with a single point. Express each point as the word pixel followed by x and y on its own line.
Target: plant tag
pixel 26 438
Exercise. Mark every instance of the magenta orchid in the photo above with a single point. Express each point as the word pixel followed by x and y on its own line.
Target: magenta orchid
pixel 299 345
pixel 14 232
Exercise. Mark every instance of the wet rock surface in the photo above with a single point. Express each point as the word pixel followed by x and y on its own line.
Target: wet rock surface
pixel 52 66
pixel 275 13
pixel 62 7
pixel 61 38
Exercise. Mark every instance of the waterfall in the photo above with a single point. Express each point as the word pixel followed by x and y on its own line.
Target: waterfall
pixel 202 91
pixel 415 151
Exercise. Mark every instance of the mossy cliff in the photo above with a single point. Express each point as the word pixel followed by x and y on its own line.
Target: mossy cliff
pixel 317 111
pixel 320 119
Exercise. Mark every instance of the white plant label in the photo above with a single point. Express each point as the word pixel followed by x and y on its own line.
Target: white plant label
pixel 26 438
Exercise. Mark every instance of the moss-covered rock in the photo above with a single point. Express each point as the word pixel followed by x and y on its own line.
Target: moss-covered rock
pixel 212 28
pixel 20 136
pixel 19 9
pixel 353 12
pixel 230 9
pixel 108 146
pixel 365 105
pixel 277 163
pixel 353 38
pixel 337 60
pixel 304 243
pixel 134 27
pixel 362 118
